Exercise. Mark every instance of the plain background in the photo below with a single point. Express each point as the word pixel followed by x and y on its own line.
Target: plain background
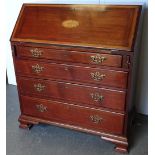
pixel 141 96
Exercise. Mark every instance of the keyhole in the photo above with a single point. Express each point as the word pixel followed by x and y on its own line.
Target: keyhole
pixel 66 87
pixel 66 68
pixel 65 55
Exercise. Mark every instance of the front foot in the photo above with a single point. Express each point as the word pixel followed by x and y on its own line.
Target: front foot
pixel 121 148
pixel 25 125
pixel 120 142
pixel 26 122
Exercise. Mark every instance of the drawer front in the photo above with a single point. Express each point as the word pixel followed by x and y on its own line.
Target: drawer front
pixel 99 97
pixel 89 118
pixel 73 73
pixel 70 56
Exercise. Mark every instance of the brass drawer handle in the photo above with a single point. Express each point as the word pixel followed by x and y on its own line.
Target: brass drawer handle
pixel 97 59
pixel 38 87
pixel 36 52
pixel 97 76
pixel 37 69
pixel 97 97
pixel 96 119
pixel 41 108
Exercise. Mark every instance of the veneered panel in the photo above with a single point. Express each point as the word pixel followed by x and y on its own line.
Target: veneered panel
pixel 105 26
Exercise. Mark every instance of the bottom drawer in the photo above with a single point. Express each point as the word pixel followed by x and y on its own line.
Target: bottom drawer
pixel 89 118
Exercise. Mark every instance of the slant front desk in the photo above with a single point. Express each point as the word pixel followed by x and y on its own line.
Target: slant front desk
pixel 73 67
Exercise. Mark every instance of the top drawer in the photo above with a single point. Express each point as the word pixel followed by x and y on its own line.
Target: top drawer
pixel 70 56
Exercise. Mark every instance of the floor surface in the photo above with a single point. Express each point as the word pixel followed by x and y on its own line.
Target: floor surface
pixel 52 140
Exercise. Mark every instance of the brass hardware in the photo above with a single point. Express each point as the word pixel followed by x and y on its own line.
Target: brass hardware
pixel 97 97
pixel 70 23
pixel 96 119
pixel 38 87
pixel 37 69
pixel 36 52
pixel 97 59
pixel 41 108
pixel 97 76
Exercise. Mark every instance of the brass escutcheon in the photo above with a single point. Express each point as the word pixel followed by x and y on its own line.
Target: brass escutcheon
pixel 97 97
pixel 97 59
pixel 41 108
pixel 96 119
pixel 36 52
pixel 38 87
pixel 97 76
pixel 37 69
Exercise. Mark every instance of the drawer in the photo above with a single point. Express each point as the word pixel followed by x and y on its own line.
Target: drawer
pixel 70 56
pixel 71 72
pixel 81 94
pixel 89 118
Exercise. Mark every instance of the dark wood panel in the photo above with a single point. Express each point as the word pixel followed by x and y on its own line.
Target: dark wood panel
pixel 72 72
pixel 70 56
pixel 90 118
pixel 113 26
pixel 85 95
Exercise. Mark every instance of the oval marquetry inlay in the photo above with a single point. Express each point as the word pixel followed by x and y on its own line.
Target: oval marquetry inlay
pixel 70 23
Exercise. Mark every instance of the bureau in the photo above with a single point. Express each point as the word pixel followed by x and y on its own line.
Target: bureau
pixel 73 66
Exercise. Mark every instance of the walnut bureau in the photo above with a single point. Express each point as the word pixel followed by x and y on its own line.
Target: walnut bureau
pixel 73 66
